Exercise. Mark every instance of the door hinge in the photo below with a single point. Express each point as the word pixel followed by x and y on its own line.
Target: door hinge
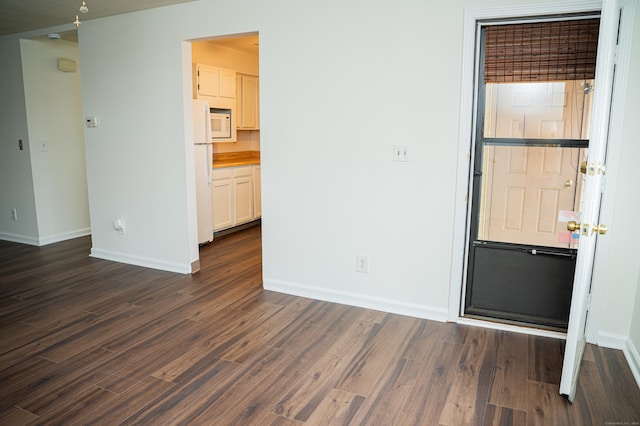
pixel 616 51
pixel 589 302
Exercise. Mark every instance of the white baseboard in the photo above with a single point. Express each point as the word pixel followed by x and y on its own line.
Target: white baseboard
pixel 142 261
pixel 22 239
pixel 612 341
pixel 63 237
pixel 623 343
pixel 361 301
pixel 37 241
pixel 633 359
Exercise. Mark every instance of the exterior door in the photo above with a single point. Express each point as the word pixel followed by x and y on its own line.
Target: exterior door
pixel 526 186
pixel 531 137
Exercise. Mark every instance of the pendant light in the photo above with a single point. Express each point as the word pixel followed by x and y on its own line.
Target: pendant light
pixel 83 9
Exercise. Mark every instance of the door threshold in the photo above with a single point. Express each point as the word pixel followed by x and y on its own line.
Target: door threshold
pixel 512 327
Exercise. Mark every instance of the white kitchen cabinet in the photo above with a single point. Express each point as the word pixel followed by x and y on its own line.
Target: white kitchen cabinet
pixel 234 196
pixel 243 193
pixel 213 83
pixel 248 102
pixel 257 192
pixel 223 200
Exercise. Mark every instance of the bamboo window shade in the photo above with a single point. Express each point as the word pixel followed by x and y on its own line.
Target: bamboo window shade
pixel 543 51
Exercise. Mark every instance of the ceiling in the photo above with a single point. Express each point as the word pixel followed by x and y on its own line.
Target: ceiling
pixel 18 16
pixel 248 43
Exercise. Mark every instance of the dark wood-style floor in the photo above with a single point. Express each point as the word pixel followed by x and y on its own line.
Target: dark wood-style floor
pixel 92 342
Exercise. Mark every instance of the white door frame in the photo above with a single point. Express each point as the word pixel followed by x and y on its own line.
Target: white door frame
pixel 613 160
pixel 466 132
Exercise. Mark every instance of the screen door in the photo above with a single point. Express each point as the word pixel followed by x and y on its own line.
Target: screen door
pixel 534 96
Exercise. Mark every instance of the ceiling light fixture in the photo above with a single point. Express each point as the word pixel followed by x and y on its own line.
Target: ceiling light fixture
pixel 77 22
pixel 83 7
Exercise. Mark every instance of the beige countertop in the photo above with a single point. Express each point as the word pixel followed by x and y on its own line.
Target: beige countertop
pixel 232 159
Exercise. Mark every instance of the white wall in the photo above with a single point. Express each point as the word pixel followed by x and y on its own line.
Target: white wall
pixel 137 157
pixel 48 189
pixel 16 184
pixel 341 83
pixel 54 116
pixel 329 191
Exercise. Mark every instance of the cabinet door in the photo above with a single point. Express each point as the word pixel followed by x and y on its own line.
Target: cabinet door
pixel 243 191
pixel 227 84
pixel 208 81
pixel 247 102
pixel 222 194
pixel 257 192
pixel 249 95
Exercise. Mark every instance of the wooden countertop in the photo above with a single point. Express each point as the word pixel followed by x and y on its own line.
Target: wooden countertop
pixel 232 159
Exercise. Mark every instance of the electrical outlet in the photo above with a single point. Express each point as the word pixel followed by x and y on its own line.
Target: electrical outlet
pixel 118 225
pixel 362 263
pixel 20 145
pixel 14 214
pixel 44 146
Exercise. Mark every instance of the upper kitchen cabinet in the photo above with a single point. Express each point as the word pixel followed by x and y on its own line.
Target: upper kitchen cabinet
pixel 247 98
pixel 213 83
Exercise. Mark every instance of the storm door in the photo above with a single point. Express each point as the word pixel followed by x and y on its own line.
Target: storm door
pixel 535 83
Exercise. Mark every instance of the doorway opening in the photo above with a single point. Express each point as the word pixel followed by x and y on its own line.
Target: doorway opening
pixel 534 96
pixel 225 82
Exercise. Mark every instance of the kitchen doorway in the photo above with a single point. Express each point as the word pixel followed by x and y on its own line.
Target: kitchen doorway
pixel 225 80
pixel 534 95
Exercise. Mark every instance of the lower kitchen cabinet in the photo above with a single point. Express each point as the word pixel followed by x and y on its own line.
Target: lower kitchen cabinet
pixel 223 200
pixel 243 192
pixel 233 192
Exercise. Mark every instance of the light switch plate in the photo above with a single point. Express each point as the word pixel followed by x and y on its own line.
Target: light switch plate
pixel 400 153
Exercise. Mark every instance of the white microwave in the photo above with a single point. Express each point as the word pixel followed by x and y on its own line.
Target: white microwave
pixel 220 123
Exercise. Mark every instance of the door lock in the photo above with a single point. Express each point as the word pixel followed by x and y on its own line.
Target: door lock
pixel 572 226
pixel 591 169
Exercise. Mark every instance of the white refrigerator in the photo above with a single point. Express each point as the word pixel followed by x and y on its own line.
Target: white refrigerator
pixel 203 162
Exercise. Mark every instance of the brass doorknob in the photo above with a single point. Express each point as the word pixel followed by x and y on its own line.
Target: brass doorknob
pixel 572 225
pixel 600 229
pixel 583 167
